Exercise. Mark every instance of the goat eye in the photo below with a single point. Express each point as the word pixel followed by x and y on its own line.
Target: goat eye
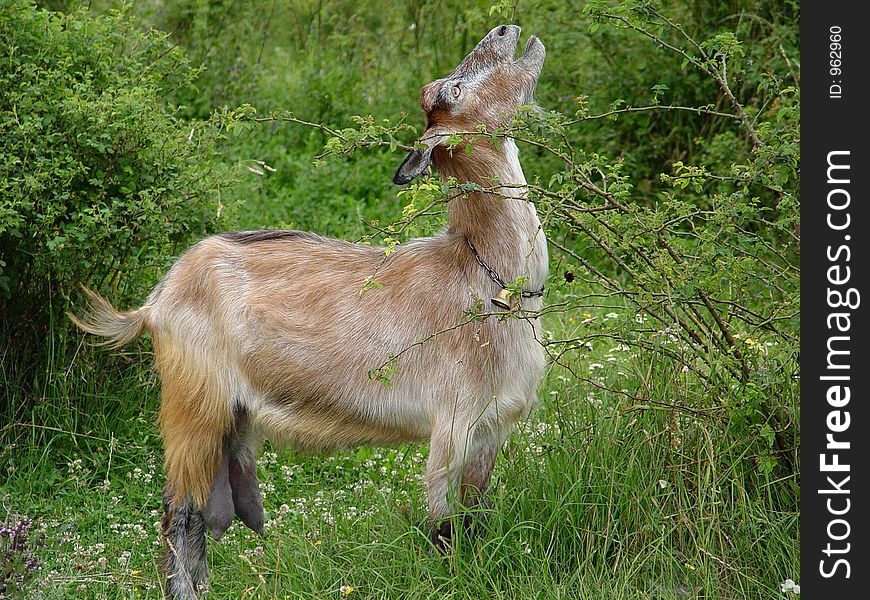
pixel 457 91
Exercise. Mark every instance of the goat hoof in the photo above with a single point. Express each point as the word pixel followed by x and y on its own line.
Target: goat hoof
pixel 441 537
pixel 473 522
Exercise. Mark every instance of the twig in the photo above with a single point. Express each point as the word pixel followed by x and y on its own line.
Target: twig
pixel 328 130
pixel 631 109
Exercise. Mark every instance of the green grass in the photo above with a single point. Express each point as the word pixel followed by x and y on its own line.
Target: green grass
pixel 594 496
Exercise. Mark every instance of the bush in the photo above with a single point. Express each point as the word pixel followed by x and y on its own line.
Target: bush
pixel 98 176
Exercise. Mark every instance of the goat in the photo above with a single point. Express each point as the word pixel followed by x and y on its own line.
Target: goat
pixel 266 334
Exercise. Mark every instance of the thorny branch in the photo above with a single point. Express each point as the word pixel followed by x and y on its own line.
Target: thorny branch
pixel 289 118
pixel 704 65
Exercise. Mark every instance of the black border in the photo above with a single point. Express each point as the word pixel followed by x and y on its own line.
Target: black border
pixel 833 124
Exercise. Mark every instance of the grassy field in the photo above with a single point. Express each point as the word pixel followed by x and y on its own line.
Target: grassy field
pixel 594 496
pixel 633 479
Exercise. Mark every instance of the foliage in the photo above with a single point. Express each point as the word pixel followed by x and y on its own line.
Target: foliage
pixel 586 502
pixel 710 258
pixel 98 176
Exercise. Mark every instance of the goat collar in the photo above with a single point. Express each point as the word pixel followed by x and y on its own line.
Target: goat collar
pixel 495 276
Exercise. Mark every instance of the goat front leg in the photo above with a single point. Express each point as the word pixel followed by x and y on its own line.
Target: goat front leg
pixel 443 472
pixel 477 470
pixel 458 472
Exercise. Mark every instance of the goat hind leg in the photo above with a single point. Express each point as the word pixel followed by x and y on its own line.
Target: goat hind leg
pixel 195 420
pixel 184 530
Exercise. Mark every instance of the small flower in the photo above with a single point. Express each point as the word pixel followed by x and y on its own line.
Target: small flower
pixel 663 484
pixel 124 558
pixel 345 590
pixel 790 586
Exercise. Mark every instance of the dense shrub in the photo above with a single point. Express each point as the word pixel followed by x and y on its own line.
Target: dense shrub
pixel 98 177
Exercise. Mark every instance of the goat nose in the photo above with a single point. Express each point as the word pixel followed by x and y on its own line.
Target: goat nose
pixel 502 30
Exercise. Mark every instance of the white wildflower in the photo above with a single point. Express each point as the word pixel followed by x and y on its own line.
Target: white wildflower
pixel 790 586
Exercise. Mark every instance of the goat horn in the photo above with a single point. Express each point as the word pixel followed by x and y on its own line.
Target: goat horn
pixel 533 56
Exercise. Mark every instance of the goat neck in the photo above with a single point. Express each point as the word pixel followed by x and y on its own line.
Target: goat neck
pixel 499 220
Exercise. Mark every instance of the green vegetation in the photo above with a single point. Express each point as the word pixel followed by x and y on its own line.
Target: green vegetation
pixel 101 181
pixel 662 461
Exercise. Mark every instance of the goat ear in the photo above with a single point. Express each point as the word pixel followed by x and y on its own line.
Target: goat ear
pixel 413 166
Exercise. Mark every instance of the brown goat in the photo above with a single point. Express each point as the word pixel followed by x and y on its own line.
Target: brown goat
pixel 266 334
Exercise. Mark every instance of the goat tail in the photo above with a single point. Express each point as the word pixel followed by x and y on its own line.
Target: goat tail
pixel 103 320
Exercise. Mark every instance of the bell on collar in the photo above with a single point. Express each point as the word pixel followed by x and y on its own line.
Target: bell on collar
pixel 502 300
